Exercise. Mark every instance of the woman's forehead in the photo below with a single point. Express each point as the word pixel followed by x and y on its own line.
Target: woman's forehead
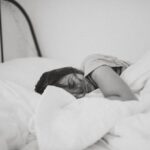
pixel 71 78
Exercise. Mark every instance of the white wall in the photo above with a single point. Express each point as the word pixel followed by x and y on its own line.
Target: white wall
pixel 71 29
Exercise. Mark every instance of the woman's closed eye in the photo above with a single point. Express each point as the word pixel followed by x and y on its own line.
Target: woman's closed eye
pixel 71 84
pixel 74 84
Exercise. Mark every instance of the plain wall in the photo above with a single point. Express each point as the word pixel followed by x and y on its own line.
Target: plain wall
pixel 69 30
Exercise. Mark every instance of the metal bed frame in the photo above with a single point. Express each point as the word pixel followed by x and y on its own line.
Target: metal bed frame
pixel 15 3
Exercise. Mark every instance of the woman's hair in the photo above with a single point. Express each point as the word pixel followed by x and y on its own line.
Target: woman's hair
pixel 53 77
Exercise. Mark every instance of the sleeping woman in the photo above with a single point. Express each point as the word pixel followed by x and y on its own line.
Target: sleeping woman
pixel 98 71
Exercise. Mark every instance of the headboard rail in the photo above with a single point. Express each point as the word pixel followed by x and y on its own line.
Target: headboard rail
pixel 30 27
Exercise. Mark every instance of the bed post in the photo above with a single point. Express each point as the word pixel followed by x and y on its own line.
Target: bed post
pixel 1 34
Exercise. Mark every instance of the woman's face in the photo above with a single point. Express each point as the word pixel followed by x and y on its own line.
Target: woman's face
pixel 76 84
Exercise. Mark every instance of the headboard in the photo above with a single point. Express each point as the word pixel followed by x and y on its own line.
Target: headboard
pixel 29 22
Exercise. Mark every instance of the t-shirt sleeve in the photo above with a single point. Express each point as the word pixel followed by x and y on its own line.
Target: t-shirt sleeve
pixel 94 61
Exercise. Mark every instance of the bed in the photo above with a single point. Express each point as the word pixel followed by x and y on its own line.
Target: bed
pixel 17 98
pixel 55 120
pixel 96 123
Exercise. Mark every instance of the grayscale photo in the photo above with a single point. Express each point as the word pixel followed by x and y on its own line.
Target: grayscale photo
pixel 74 75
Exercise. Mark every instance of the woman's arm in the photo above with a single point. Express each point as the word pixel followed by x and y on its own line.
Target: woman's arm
pixel 110 83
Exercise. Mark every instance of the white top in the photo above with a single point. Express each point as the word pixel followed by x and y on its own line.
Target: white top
pixel 96 60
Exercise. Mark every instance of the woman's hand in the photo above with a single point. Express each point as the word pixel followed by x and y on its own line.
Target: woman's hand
pixel 110 83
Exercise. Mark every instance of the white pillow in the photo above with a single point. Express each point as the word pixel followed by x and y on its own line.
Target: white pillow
pixel 138 73
pixel 65 123
pixel 27 71
pixel 17 105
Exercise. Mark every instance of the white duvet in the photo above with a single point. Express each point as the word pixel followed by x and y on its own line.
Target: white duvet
pixel 133 132
pixel 97 123
pixel 18 100
pixel 62 123
pixel 16 108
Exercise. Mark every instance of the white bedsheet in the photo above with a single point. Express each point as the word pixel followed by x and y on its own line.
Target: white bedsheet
pixel 16 108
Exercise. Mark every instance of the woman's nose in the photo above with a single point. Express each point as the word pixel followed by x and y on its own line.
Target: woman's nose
pixel 79 95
